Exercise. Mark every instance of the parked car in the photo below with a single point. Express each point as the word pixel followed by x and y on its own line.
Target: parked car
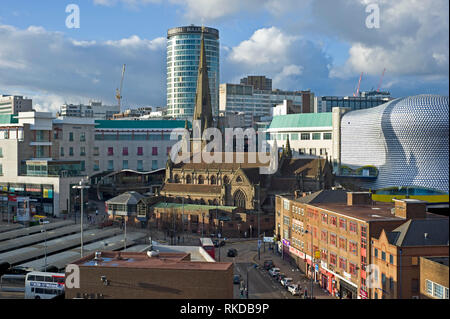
pixel 237 279
pixel 294 290
pixel 280 277
pixel 232 252
pixel 268 264
pixel 286 282
pixel 274 271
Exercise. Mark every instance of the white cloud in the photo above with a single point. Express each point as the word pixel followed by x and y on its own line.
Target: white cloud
pixel 412 38
pixel 53 68
pixel 129 3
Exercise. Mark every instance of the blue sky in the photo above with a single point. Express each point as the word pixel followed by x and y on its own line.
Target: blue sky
pixel 318 45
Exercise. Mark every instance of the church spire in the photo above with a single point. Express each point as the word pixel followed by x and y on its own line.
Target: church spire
pixel 203 109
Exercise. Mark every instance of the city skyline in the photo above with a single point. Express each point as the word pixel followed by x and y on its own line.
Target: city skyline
pixel 43 59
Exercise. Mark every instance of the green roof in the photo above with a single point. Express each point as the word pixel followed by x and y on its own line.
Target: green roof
pixel 150 124
pixel 302 120
pixel 188 207
pixel 8 119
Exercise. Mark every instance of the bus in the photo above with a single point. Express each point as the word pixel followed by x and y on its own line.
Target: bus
pixel 44 285
pixel 208 245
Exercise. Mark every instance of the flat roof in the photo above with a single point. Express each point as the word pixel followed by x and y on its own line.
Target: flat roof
pixel 378 211
pixel 302 120
pixel 172 260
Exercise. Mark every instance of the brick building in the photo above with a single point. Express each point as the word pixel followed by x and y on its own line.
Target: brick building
pixel 337 227
pixel 132 275
pixel 434 277
pixel 396 253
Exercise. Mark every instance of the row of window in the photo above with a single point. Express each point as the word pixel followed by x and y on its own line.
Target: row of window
pixel 435 290
pixel 303 136
pixel 383 255
pixel 110 151
pixel 139 165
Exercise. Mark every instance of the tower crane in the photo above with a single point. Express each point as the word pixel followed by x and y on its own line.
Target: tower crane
pixel 359 84
pixel 119 91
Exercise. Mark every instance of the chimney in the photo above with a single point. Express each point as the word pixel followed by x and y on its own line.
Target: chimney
pixel 359 198
pixel 410 208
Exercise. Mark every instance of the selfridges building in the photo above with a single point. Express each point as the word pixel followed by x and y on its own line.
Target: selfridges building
pixel 405 141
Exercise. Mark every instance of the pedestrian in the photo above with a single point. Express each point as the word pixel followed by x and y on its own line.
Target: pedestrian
pixel 246 292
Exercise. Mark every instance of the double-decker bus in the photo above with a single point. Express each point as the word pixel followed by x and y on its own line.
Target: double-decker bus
pixel 43 285
pixel 208 245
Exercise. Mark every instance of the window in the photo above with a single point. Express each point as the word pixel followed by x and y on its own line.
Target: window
pixel 96 151
pixel 1 152
pixel 286 220
pixel 96 165
pixel 375 252
pixel 353 227
pixel 391 259
pixel 391 283
pixel 342 223
pixel 71 136
pixel 324 255
pixel 429 287
pixel 352 268
pixel 324 218
pixel 343 263
pixel 327 136
pixel 62 151
pixel 154 150
pixel 353 247
pixel 312 151
pixel 333 221
pixel 342 243
pixel 333 239
pixel 154 164
pixel 140 151
pixel 70 151
pixel 125 164
pixel 1 169
pixel 110 151
pixel 305 136
pixel 324 236
pixel 316 136
pixel 383 255
pixel 140 165
pixel 82 137
pixel 286 204
pixel 82 151
pixel 110 165
pixel 383 279
pixel 125 151
pixel 333 259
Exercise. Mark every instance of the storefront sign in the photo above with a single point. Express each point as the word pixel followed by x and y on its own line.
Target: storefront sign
pixel 296 252
pixel 308 257
pixel 363 294
pixel 268 239
pixel 317 254
pixel 286 242
pixel 317 267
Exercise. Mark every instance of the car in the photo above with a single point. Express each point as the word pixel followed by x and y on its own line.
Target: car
pixel 294 290
pixel 280 277
pixel 268 264
pixel 237 279
pixel 286 282
pixel 218 243
pixel 274 271
pixel 232 252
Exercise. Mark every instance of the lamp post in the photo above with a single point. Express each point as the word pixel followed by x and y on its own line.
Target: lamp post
pixel 312 261
pixel 81 186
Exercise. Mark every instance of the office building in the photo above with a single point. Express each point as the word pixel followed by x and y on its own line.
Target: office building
pixel 258 82
pixel 151 275
pixel 13 104
pixel 183 55
pixel 326 103
pixel 94 109
pixel 309 134
pixel 256 103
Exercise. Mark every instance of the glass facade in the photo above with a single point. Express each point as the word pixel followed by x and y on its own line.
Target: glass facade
pixel 183 53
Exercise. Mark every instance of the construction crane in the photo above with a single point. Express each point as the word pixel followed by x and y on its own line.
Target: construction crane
pixel 119 91
pixel 359 84
pixel 381 79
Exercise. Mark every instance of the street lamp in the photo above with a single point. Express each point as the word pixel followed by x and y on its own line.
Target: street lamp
pixel 81 186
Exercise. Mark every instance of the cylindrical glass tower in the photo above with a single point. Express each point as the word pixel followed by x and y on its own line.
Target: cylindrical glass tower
pixel 183 53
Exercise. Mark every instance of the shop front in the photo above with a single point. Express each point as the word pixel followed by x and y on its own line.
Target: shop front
pixel 347 291
pixel 299 258
pixel 326 278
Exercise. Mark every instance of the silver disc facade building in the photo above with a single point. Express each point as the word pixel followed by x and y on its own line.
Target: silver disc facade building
pixel 402 143
pixel 183 53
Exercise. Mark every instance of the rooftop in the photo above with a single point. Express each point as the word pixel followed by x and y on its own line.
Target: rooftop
pixel 302 120
pixel 439 260
pixel 128 198
pixel 8 119
pixel 421 232
pixel 172 260
pixel 194 207
pixel 142 124
pixel 377 211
